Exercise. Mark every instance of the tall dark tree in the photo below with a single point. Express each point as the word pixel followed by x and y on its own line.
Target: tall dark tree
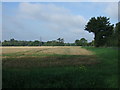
pixel 117 33
pixel 102 29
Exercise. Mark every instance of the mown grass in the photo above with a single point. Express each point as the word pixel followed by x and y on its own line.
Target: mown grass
pixel 99 75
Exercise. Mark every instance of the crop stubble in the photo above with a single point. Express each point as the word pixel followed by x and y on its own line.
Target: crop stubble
pixel 64 50
pixel 28 57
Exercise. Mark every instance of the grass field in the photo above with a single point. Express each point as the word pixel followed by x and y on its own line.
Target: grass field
pixel 59 67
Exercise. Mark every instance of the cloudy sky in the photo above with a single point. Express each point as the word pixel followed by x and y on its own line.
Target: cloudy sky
pixel 51 20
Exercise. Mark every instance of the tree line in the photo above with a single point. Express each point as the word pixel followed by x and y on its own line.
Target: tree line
pixel 57 42
pixel 105 34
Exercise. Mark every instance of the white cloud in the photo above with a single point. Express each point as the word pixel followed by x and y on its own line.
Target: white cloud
pixel 112 10
pixel 50 13
pixel 34 19
pixel 55 18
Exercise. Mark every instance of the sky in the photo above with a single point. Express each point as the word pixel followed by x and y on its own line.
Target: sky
pixel 52 20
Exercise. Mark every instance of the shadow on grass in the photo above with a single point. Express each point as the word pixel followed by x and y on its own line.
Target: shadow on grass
pixel 54 77
pixel 49 61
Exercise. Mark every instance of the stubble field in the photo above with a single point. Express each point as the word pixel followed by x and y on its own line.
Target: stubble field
pixel 46 56
pixel 64 50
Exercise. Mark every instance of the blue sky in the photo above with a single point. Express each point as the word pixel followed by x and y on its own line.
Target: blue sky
pixel 51 20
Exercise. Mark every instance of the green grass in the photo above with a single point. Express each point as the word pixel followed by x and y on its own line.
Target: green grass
pixel 109 64
pixel 101 75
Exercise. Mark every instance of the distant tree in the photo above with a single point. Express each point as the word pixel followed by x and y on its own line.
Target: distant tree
pixel 0 43
pixel 81 42
pixel 62 40
pixel 77 42
pixel 67 44
pixel 72 44
pixel 34 43
pixel 59 39
pixel 12 40
pixel 102 29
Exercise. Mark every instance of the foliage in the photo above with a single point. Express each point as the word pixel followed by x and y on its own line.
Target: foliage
pixel 114 40
pixel 91 43
pixel 117 33
pixel 102 29
pixel 81 42
pixel 13 42
pixel 58 42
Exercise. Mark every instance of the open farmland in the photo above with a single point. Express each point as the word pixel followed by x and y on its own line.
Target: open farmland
pixel 46 56
pixel 66 50
pixel 59 66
